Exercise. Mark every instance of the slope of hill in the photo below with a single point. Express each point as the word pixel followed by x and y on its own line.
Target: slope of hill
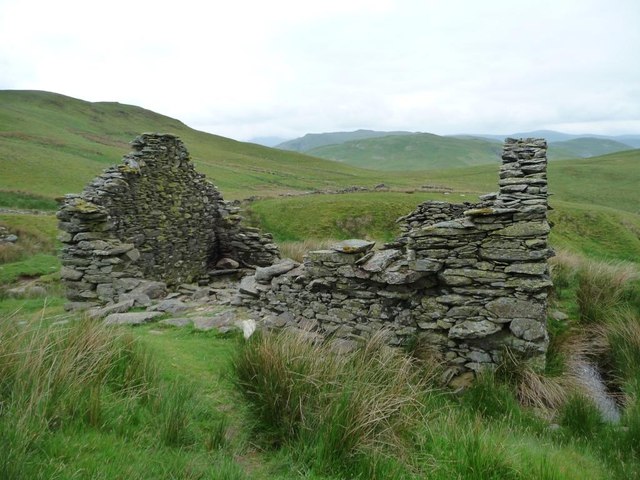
pixel 422 151
pixel 609 180
pixel 51 144
pixel 633 141
pixel 585 147
pixel 419 151
pixel 316 140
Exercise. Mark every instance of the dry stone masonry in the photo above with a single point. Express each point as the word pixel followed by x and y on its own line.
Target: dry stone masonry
pixel 468 280
pixel 153 217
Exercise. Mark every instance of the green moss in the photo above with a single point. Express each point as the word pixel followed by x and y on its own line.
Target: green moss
pixel 84 206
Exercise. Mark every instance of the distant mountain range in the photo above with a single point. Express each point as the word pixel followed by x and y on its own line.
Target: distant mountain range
pixel 418 151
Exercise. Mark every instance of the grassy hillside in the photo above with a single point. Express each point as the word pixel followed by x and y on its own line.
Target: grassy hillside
pixel 422 151
pixel 608 180
pixel 51 144
pixel 82 400
pixel 315 140
pixel 419 151
pixel 585 147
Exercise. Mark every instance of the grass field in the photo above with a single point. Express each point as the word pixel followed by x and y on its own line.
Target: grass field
pixel 82 400
pixel 159 402
pixel 45 136
pixel 420 151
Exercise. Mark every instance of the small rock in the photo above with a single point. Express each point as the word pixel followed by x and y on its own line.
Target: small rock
pixel 473 329
pixel 227 264
pixel 560 316
pixel 79 306
pixel 527 329
pixel 171 306
pixel 249 286
pixel 248 327
pixel 151 289
pixel 139 299
pixel 201 294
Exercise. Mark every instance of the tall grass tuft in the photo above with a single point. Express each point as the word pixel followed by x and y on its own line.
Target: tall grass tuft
pixel 55 376
pixel 341 411
pixel 581 417
pixel 601 286
pixel 564 266
pixel 623 337
pixel 173 414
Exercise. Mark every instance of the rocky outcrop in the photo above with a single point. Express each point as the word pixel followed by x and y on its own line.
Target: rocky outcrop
pixel 151 217
pixel 468 280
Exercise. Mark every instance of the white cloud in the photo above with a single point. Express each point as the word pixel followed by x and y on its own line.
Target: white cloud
pixel 249 68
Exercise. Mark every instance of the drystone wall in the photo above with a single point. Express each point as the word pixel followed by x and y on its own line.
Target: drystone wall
pixel 151 217
pixel 467 280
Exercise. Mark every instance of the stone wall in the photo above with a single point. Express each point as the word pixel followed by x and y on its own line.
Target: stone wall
pixel 468 280
pixel 153 217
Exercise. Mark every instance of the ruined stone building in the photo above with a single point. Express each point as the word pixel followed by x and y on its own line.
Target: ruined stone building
pixel 468 280
pixel 153 216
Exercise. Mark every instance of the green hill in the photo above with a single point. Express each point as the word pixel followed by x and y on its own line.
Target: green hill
pixel 609 180
pixel 315 140
pixel 425 151
pixel 51 144
pixel 418 151
pixel 585 147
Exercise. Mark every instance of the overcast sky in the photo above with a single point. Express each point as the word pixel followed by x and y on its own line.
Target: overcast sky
pixel 248 68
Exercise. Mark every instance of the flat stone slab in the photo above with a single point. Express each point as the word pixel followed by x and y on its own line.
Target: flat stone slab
pixel 227 264
pixel 353 245
pixel 119 307
pixel 171 306
pixel 381 260
pixel 176 322
pixel 131 318
pixel 248 286
pixel 265 274
pixel 473 329
pixel 223 319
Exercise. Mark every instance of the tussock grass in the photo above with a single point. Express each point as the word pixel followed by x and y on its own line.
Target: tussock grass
pixel 344 412
pixel 172 412
pixel 581 417
pixel 601 287
pixel 564 266
pixel 53 377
